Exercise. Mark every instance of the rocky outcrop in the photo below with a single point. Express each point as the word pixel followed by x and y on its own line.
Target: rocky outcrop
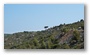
pixel 66 38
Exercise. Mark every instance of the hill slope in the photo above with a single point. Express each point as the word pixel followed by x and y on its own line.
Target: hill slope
pixel 64 36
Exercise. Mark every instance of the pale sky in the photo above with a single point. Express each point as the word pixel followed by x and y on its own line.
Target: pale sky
pixel 33 17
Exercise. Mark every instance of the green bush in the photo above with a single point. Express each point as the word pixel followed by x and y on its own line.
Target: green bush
pixel 76 35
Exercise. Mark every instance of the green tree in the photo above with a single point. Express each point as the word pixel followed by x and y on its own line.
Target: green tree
pixel 66 46
pixel 43 45
pixel 64 30
pixel 81 20
pixel 45 27
pixel 36 43
pixel 49 44
pixel 77 35
pixel 52 38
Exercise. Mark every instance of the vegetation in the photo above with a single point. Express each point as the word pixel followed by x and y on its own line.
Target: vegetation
pixel 64 36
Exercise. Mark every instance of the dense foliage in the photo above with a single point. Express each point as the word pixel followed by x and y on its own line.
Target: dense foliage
pixel 64 36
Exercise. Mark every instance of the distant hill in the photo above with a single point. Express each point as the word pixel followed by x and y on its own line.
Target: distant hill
pixel 63 36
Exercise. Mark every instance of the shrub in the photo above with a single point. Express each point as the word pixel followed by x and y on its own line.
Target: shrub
pixel 77 35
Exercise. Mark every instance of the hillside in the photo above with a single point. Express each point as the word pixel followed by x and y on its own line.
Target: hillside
pixel 63 36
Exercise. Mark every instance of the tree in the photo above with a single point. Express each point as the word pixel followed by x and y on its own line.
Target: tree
pixel 66 46
pixel 77 35
pixel 49 44
pixel 52 38
pixel 25 31
pixel 61 25
pixel 36 43
pixel 81 20
pixel 43 45
pixel 45 27
pixel 64 30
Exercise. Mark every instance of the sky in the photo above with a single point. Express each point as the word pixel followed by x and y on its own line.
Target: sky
pixel 33 17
